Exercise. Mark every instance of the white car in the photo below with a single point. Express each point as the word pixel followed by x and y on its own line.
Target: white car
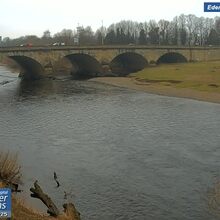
pixel 59 44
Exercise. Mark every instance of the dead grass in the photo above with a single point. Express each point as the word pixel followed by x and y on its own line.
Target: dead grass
pixel 10 174
pixel 214 199
pixel 9 168
pixel 21 211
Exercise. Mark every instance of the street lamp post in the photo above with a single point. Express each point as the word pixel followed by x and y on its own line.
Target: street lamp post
pixel 102 33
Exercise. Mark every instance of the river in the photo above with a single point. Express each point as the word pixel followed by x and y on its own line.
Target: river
pixel 119 154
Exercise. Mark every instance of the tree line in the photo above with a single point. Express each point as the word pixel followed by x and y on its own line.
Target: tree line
pixel 183 30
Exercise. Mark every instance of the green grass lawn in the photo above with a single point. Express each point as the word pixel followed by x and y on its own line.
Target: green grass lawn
pixel 202 76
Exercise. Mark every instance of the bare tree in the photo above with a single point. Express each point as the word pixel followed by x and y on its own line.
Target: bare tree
pixel 163 28
pixel 65 36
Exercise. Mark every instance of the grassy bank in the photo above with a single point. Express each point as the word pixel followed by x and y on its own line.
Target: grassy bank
pixel 200 81
pixel 201 76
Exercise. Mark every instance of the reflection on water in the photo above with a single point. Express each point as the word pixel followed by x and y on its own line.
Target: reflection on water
pixel 47 87
pixel 6 76
pixel 120 154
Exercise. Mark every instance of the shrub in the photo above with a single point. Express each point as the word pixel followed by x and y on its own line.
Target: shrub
pixel 9 168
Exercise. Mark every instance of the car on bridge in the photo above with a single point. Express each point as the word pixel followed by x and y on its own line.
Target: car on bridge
pixel 26 45
pixel 59 44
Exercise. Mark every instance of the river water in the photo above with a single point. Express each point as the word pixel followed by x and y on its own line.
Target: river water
pixel 119 154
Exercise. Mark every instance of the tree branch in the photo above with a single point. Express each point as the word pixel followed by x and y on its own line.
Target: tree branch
pixel 37 192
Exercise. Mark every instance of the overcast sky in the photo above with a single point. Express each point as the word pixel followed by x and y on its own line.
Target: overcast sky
pixel 24 17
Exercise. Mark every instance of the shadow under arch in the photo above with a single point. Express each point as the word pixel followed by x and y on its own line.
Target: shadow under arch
pixel 172 57
pixel 84 66
pixel 128 62
pixel 30 68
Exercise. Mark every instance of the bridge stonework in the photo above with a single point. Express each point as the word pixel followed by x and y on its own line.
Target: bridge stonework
pixel 44 59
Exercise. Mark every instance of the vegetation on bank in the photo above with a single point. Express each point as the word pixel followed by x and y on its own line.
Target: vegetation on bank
pixel 10 177
pixel 9 169
pixel 201 76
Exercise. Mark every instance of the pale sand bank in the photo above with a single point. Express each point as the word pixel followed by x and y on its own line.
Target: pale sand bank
pixel 131 83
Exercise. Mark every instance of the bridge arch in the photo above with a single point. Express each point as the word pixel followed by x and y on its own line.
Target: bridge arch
pixel 84 65
pixel 128 62
pixel 30 68
pixel 172 57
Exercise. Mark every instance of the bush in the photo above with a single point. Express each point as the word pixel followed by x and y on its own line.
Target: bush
pixel 9 168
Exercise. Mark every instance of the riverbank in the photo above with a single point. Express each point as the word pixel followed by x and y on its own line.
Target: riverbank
pixel 21 211
pixel 10 177
pixel 200 81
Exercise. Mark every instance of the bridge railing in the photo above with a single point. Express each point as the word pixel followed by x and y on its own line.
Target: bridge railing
pixel 103 47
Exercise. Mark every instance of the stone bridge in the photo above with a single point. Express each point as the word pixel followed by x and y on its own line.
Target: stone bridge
pixel 36 62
